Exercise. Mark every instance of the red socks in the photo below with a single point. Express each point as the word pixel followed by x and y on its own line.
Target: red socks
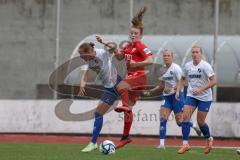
pixel 128 119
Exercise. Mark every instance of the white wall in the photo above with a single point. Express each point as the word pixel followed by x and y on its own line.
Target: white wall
pixel 39 116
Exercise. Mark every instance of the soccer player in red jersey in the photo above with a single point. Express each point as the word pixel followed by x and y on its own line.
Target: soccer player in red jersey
pixel 137 56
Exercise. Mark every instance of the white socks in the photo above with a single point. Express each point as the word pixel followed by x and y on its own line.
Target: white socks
pixel 162 142
pixel 185 142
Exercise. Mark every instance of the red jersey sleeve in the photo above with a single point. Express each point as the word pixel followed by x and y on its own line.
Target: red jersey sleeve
pixel 143 49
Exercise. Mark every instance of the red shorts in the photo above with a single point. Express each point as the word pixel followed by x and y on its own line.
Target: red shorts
pixel 138 82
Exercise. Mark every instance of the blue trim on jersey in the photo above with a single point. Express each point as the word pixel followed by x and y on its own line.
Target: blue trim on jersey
pixel 110 95
pixel 173 104
pixel 203 106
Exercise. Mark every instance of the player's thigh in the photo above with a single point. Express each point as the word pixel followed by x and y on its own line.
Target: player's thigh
pixel 123 85
pixel 201 117
pixel 102 108
pixel 189 108
pixel 136 82
pixel 178 108
pixel 133 97
pixel 187 112
pixel 165 112
pixel 178 111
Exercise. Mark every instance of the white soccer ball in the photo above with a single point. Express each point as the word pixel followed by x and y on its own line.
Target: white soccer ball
pixel 107 147
pixel 238 151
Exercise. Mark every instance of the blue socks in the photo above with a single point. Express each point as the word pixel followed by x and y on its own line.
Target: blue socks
pixel 186 130
pixel 180 124
pixel 98 123
pixel 205 130
pixel 190 124
pixel 162 129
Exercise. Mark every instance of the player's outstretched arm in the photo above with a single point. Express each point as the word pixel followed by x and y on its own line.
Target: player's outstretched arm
pixel 157 89
pixel 83 82
pixel 110 46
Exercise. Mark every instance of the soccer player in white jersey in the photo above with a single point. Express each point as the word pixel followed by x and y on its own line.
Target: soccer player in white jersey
pixel 100 62
pixel 200 78
pixel 168 84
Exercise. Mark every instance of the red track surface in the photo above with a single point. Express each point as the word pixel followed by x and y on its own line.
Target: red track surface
pixel 22 138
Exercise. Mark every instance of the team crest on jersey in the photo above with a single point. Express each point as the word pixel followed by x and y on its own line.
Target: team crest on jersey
pixel 199 70
pixel 147 51
pixel 171 72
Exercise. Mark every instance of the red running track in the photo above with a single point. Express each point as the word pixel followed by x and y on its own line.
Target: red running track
pixel 143 141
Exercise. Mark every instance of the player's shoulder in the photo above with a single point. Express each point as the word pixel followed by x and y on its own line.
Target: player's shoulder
pixel 100 52
pixel 176 66
pixel 205 64
pixel 188 64
pixel 140 44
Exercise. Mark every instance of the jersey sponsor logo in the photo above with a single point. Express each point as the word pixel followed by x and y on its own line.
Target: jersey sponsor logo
pixel 147 51
pixel 163 102
pixel 195 76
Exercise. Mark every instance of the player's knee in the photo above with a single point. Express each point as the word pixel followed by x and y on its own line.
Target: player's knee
pixel 98 114
pixel 185 117
pixel 179 122
pixel 179 117
pixel 163 116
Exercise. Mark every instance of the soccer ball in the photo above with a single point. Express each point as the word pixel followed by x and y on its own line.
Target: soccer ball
pixel 107 147
pixel 238 151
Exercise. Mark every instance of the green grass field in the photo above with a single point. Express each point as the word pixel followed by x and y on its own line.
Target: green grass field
pixel 36 151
